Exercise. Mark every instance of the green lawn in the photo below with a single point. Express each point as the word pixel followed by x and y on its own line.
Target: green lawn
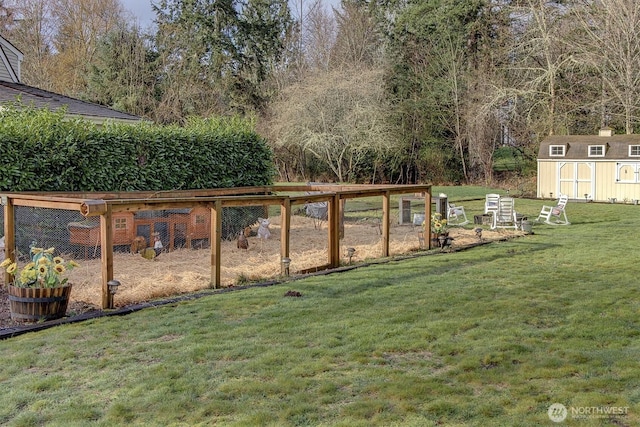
pixel 490 336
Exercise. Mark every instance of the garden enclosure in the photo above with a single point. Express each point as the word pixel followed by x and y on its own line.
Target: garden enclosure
pixel 312 227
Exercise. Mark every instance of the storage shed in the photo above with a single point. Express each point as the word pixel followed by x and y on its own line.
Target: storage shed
pixel 601 168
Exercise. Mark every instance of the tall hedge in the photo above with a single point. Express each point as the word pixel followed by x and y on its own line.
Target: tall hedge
pixel 41 150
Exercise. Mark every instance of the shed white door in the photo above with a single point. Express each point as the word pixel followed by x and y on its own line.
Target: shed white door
pixel 575 179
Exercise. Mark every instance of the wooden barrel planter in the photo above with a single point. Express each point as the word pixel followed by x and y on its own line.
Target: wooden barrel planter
pixel 35 304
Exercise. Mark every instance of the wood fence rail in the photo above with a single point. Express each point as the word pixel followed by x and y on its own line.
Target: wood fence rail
pixel 104 205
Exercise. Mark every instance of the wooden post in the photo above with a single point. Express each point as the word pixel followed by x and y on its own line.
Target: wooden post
pixel 386 218
pixel 106 256
pixel 285 229
pixel 427 217
pixel 343 203
pixel 9 234
pixel 333 214
pixel 216 248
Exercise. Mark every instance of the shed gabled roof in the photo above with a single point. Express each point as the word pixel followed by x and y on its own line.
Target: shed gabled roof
pixel 577 146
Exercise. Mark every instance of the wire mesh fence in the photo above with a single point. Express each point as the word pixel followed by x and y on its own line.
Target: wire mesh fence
pixel 161 251
pixel 364 223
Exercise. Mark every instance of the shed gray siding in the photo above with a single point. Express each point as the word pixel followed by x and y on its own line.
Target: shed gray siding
pixel 10 59
pixel 4 75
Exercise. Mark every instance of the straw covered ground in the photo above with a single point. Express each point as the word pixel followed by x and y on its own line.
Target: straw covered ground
pixel 188 270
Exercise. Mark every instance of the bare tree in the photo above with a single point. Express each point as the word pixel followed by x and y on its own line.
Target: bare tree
pixel 540 55
pixel 338 117
pixel 357 41
pixel 319 34
pixel 79 25
pixel 31 31
pixel 611 45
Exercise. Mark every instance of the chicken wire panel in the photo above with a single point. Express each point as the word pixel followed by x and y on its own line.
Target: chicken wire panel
pixel 250 245
pixel 405 230
pixel 363 227
pixel 52 228
pixel 362 223
pixel 160 253
pixel 309 239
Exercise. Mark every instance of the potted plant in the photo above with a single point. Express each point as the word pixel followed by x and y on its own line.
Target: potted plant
pixel 439 228
pixel 39 291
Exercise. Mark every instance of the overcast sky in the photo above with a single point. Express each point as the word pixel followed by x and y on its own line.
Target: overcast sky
pixel 141 9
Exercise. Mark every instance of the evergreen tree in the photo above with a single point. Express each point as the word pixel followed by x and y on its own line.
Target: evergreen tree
pixel 123 74
pixel 219 53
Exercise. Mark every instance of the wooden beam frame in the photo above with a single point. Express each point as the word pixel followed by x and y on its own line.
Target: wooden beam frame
pixel 9 235
pixel 216 246
pixel 106 256
pixel 285 231
pixel 386 222
pixel 333 214
pixel 427 218
pixel 105 204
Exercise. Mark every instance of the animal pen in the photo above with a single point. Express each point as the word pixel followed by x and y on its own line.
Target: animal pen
pixel 312 227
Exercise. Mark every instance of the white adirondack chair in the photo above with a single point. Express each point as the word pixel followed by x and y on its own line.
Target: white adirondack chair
pixel 555 215
pixel 505 215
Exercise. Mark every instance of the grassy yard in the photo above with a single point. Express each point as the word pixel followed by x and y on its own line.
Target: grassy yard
pixel 491 336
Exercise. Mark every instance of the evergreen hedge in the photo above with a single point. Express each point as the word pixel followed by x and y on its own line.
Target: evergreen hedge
pixel 42 150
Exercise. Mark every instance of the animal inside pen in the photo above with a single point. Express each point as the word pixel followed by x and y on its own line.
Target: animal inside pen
pixel 176 228
pixel 184 270
pixel 83 219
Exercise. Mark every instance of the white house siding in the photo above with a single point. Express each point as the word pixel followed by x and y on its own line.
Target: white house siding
pixel 626 185
pixel 573 179
pixel 606 186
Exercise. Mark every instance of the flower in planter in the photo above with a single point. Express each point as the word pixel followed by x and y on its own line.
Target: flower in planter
pixel 438 224
pixel 44 270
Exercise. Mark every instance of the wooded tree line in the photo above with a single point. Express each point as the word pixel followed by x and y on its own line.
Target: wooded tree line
pixel 372 91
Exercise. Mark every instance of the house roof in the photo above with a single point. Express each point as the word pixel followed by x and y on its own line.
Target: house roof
pixel 40 98
pixel 12 90
pixel 616 147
